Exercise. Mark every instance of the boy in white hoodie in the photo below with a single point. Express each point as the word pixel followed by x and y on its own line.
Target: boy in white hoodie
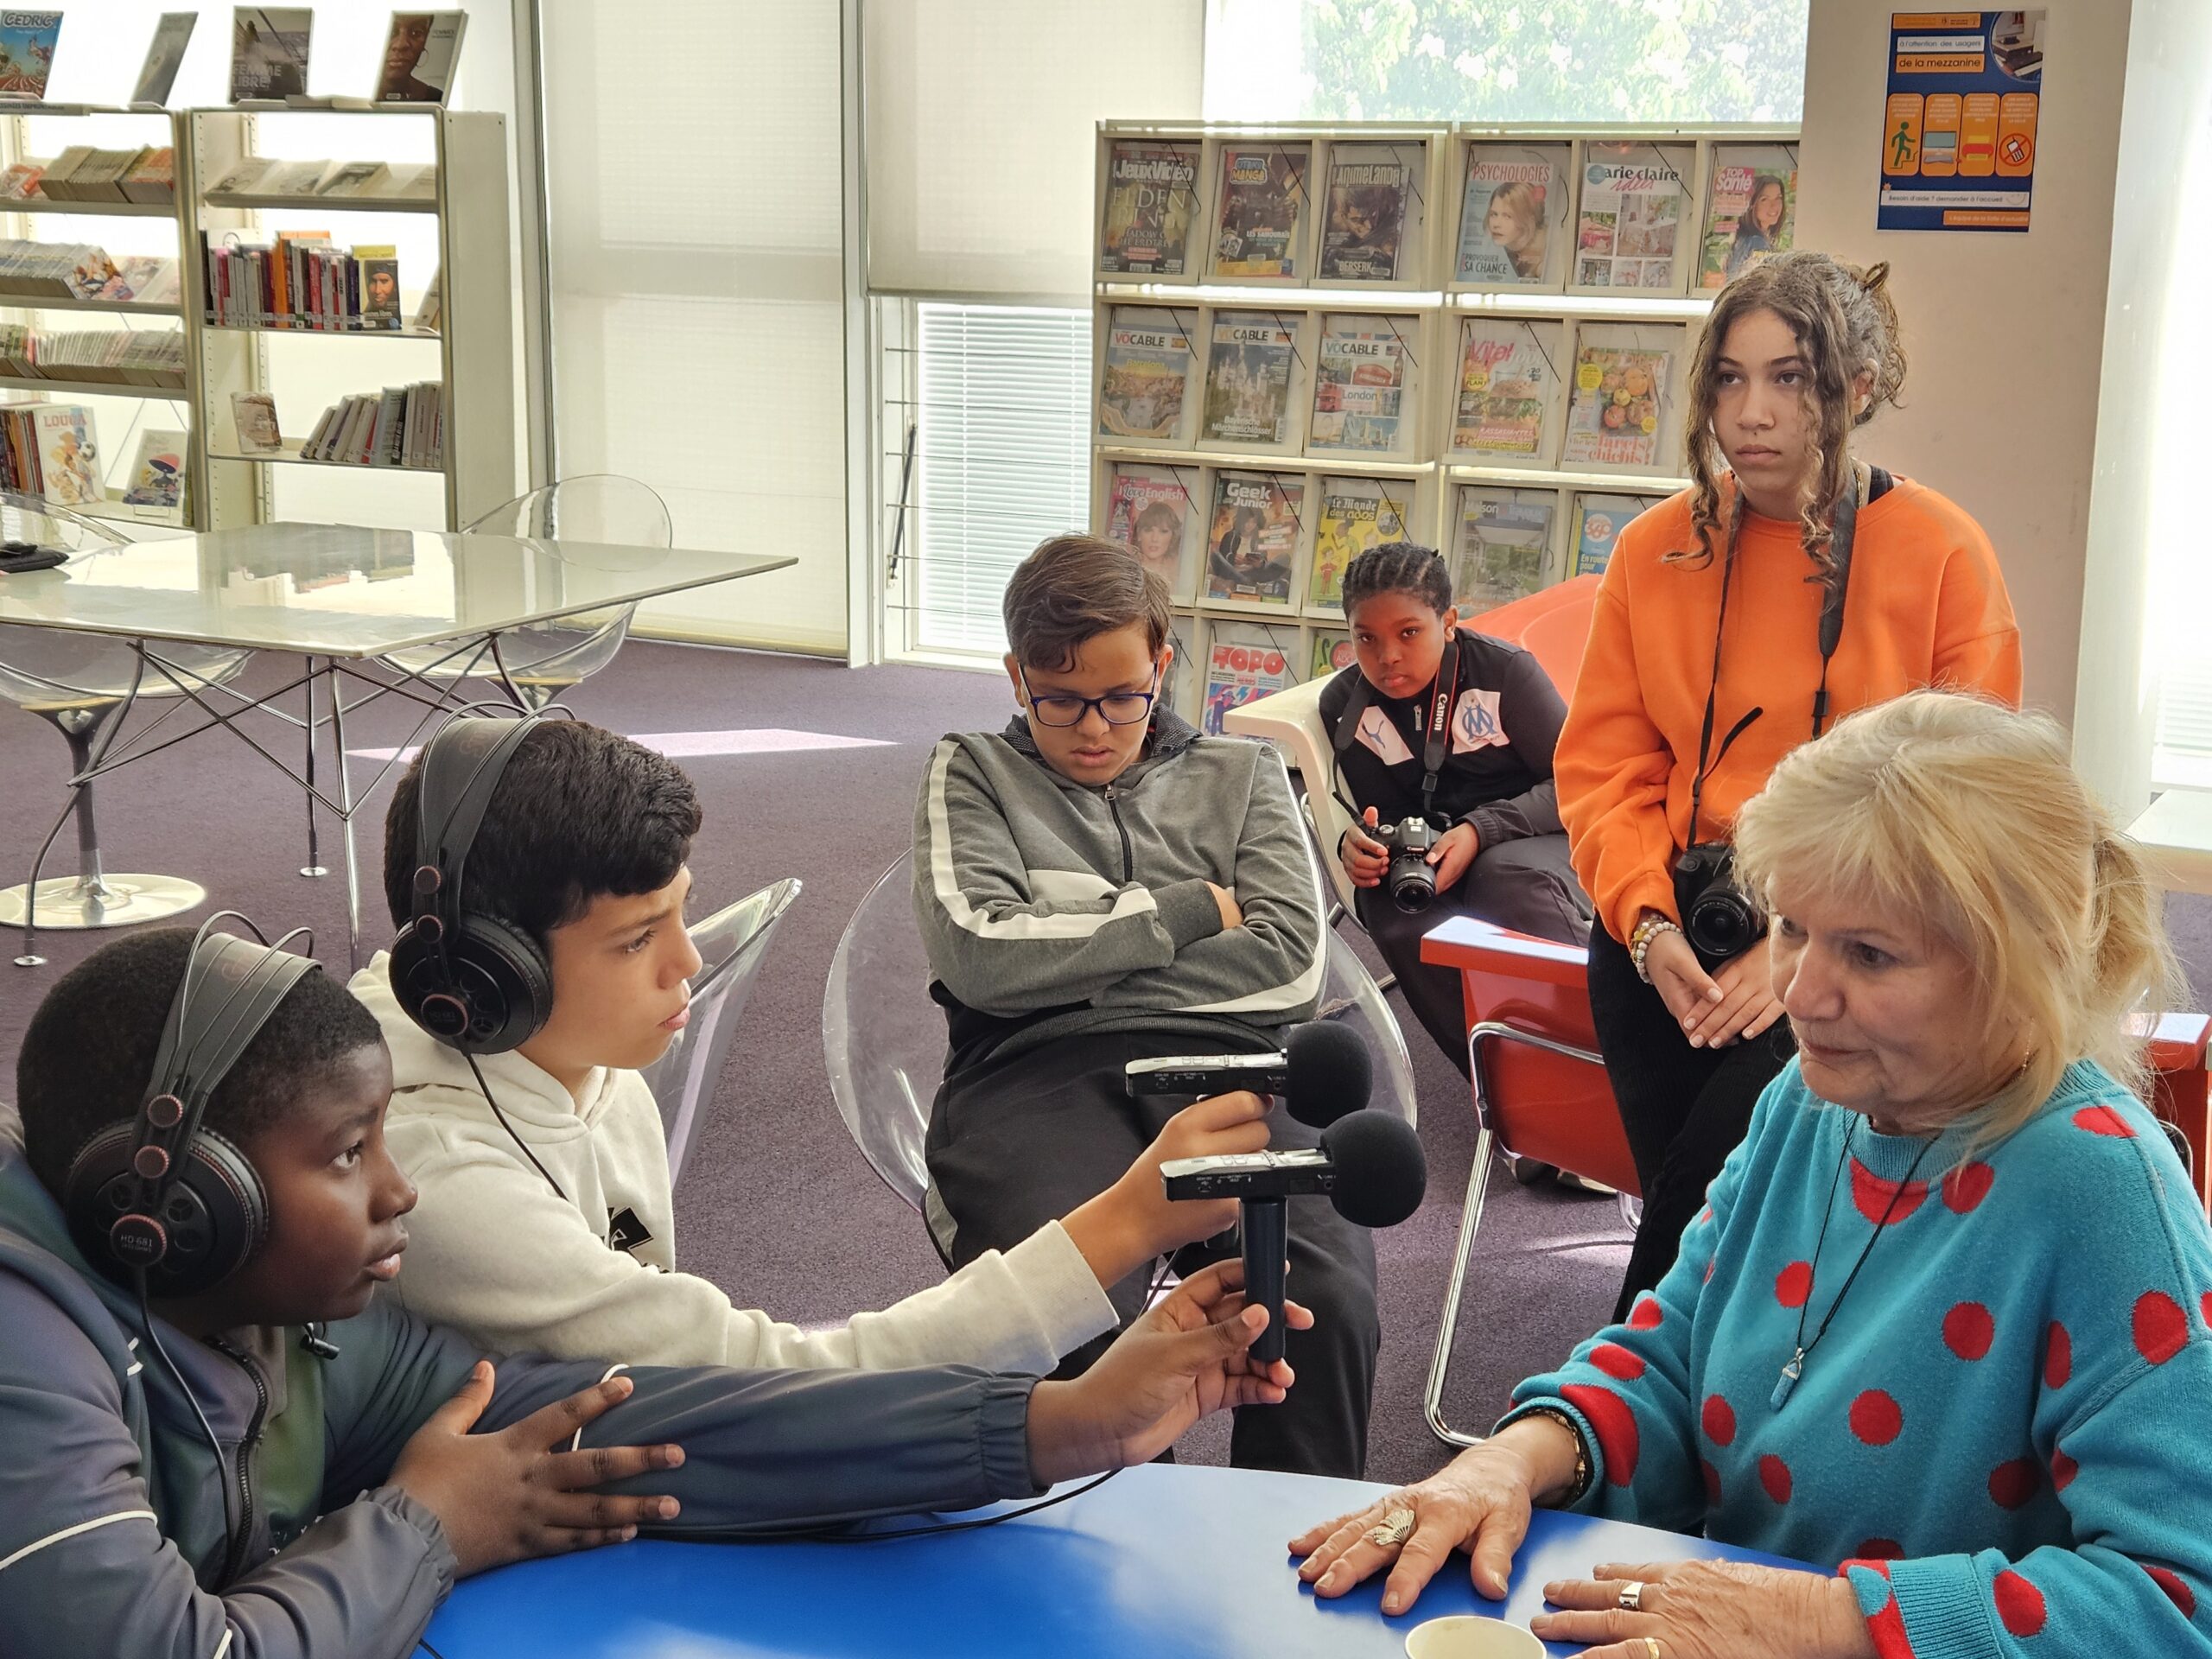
pixel 582 848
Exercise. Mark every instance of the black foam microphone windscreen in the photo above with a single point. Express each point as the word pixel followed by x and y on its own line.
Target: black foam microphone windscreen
pixel 1380 1171
pixel 1330 1073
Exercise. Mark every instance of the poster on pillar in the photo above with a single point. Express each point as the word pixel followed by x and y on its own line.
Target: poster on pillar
pixel 1959 127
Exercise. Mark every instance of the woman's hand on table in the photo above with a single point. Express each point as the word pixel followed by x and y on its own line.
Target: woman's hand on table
pixel 1707 1610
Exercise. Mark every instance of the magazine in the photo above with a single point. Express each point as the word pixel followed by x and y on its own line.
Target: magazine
pixel 1502 546
pixel 26 39
pixel 1248 378
pixel 1751 210
pixel 254 414
pixel 1252 542
pixel 1513 215
pixel 1356 513
pixel 1614 414
pixel 1263 209
pixel 68 460
pixel 1149 510
pixel 157 478
pixel 1330 652
pixel 420 55
pixel 1359 385
pixel 269 52
pixel 1150 190
pixel 1147 368
pixel 165 54
pixel 1370 186
pixel 1629 231
pixel 1243 665
pixel 1508 389
pixel 1598 521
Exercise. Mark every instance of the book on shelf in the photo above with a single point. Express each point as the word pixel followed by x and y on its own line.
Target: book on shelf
pixel 1245 663
pixel 1597 523
pixel 19 180
pixel 1356 514
pixel 1360 385
pixel 1751 210
pixel 379 285
pixel 411 182
pixel 1261 210
pixel 397 426
pixel 300 282
pixel 1371 188
pixel 1333 649
pixel 82 172
pixel 1151 190
pixel 254 416
pixel 1149 510
pixel 152 177
pixel 27 42
pixel 1635 199
pixel 244 176
pixel 419 56
pixel 296 178
pixel 1618 408
pixel 355 179
pixel 1501 546
pixel 1145 373
pixel 269 53
pixel 69 458
pixel 1252 540
pixel 1514 219
pixel 1249 364
pixel 1507 399
pixel 165 54
pixel 157 475
pixel 153 357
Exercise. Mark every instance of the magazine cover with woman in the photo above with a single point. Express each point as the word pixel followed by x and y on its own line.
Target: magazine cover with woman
pixel 1512 214
pixel 1751 210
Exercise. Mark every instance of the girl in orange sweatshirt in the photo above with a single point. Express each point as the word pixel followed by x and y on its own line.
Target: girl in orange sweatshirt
pixel 1843 586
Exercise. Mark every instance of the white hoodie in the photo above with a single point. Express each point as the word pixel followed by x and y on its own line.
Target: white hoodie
pixel 494 1251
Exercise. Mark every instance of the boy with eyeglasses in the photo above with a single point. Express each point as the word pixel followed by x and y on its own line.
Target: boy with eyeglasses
pixel 1099 883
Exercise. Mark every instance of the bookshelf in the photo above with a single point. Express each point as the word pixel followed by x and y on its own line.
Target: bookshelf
pixel 1310 289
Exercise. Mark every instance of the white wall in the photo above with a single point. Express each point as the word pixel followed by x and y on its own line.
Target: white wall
pixel 2006 332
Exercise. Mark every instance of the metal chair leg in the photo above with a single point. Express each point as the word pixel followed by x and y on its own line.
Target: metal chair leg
pixel 1471 1221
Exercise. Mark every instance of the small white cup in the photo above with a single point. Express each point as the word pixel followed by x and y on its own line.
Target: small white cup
pixel 1465 1637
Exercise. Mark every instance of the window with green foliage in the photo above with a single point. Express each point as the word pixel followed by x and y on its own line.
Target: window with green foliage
pixel 1688 60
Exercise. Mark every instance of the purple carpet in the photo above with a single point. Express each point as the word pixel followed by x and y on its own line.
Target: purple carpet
pixel 777 1207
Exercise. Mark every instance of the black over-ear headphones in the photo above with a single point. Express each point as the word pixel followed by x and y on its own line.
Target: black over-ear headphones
pixel 157 1195
pixel 472 981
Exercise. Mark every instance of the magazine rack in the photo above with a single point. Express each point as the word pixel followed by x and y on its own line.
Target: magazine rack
pixel 1549 486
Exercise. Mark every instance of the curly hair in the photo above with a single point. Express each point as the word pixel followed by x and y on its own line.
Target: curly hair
pixel 1398 567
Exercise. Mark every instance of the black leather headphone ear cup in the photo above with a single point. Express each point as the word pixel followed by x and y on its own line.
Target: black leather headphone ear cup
pixel 509 983
pixel 213 1215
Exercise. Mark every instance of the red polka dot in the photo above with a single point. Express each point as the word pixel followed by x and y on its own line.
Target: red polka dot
pixel 1876 1418
pixel 1879 1549
pixel 1774 1475
pixel 1646 1314
pixel 1711 1263
pixel 2177 1591
pixel 2013 1484
pixel 1720 1421
pixel 2102 1120
pixel 2161 1328
pixel 2062 1470
pixel 1703 1216
pixel 2057 1357
pixel 1711 1483
pixel 1617 1361
pixel 1968 1186
pixel 2020 1604
pixel 1794 1284
pixel 1876 1197
pixel 1968 1329
pixel 1616 1425
pixel 2205 1307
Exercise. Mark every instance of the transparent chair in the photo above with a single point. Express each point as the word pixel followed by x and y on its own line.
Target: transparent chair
pixel 545 659
pixel 731 944
pixel 79 684
pixel 884 1039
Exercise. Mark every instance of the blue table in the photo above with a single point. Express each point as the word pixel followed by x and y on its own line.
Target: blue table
pixel 1165 1561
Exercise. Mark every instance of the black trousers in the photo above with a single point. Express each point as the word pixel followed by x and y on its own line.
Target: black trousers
pixel 1015 1143
pixel 1684 1108
pixel 1527 885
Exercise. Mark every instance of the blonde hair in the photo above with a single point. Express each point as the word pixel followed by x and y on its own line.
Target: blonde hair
pixel 1963 813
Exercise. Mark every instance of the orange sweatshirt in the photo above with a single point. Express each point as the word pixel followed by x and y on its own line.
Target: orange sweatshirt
pixel 1927 605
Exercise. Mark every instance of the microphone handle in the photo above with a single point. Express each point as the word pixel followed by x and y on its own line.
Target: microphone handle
pixel 1266 1241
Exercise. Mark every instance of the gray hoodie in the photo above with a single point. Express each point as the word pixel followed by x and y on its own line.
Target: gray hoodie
pixel 111 1512
pixel 1056 907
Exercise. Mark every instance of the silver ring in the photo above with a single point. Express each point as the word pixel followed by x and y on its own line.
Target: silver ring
pixel 1395 1528
pixel 1631 1599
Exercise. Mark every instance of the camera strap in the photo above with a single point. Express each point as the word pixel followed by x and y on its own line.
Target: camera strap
pixel 1435 728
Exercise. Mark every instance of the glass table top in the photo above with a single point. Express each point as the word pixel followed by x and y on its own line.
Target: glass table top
pixel 340 590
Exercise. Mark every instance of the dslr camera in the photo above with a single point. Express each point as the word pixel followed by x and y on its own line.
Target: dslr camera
pixel 1718 919
pixel 1411 879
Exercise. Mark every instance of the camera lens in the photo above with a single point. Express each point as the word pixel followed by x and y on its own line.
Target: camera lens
pixel 1413 885
pixel 1722 923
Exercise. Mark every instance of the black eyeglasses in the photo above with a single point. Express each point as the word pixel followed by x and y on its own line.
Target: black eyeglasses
pixel 1115 708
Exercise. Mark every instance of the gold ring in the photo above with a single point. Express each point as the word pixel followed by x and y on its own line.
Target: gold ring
pixel 1651 1647
pixel 1395 1528
pixel 1631 1599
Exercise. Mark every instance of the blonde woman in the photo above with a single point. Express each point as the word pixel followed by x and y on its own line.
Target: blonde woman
pixel 1943 1325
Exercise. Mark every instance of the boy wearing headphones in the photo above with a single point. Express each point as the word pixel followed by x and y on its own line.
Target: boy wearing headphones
pixel 220 1438
pixel 545 1220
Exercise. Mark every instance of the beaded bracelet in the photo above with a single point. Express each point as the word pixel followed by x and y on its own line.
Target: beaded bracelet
pixel 1639 945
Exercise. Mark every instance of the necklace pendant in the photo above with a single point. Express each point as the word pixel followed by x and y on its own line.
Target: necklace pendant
pixel 1788 1381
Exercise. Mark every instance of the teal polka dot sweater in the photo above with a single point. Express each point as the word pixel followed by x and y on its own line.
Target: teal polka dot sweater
pixel 2005 1438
